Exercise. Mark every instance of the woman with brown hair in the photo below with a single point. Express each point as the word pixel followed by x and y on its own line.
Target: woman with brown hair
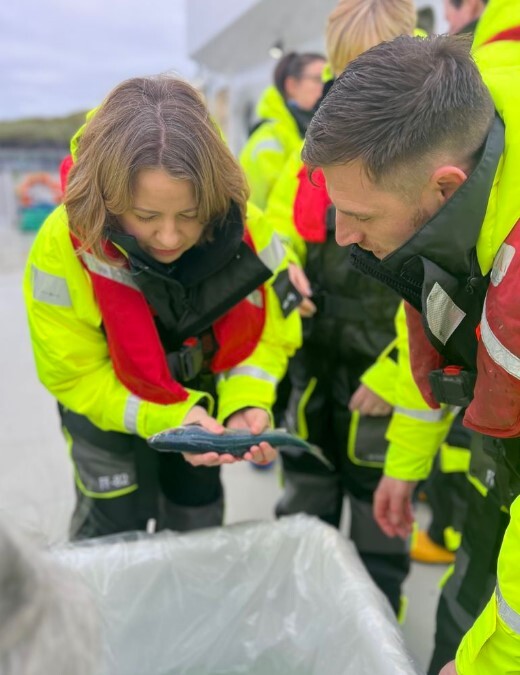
pixel 148 298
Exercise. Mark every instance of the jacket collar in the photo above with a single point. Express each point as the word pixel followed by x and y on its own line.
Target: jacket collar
pixel 199 262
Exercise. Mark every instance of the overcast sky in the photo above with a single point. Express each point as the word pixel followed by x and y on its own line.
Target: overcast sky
pixel 61 56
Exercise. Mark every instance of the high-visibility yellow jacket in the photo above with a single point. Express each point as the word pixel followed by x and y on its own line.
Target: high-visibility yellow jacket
pixel 269 146
pixel 279 213
pixel 71 352
pixel 416 431
pixel 492 645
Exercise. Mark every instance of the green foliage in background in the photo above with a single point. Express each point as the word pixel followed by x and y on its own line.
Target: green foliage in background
pixel 31 132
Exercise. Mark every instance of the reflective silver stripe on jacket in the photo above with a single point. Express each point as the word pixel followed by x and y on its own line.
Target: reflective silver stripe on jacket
pixel 507 613
pixel 50 288
pixel 425 415
pixel 273 254
pixel 250 371
pixel 131 412
pixel 119 274
pixel 496 350
pixel 268 144
pixel 442 314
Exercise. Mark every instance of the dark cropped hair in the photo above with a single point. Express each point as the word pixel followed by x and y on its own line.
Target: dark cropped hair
pixel 400 102
pixel 458 3
pixel 293 65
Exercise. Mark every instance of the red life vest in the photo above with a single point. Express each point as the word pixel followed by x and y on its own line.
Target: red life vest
pixel 310 206
pixel 135 348
pixel 134 344
pixel 497 386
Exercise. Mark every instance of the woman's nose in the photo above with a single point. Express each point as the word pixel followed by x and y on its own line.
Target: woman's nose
pixel 168 235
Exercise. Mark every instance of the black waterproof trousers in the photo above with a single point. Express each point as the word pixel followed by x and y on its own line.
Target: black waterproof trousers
pixel 318 410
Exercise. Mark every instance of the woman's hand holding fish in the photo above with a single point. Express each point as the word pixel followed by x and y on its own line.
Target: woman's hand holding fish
pixel 255 420
pixel 199 415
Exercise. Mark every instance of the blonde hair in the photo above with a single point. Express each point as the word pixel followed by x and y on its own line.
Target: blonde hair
pixel 157 122
pixel 356 25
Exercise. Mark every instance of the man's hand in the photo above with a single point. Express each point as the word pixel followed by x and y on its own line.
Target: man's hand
pixel 256 420
pixel 393 506
pixel 369 403
pixel 299 280
pixel 449 669
pixel 198 415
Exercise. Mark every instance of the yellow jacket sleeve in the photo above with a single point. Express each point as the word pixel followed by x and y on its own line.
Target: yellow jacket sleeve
pixel 262 159
pixel 492 645
pixel 280 210
pixel 380 377
pixel 269 146
pixel 416 431
pixel 69 345
pixel 253 382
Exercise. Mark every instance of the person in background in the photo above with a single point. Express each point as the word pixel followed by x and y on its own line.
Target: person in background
pixel 435 213
pixel 284 111
pixel 340 398
pixel 149 296
pixel 48 619
pixel 462 15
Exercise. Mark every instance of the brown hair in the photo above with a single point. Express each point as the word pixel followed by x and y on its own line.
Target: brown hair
pixel 155 122
pixel 356 25
pixel 293 65
pixel 400 102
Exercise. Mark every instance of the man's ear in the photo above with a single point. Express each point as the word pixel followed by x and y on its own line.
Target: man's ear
pixel 446 180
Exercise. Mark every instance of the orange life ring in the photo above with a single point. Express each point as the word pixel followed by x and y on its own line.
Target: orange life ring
pixel 40 178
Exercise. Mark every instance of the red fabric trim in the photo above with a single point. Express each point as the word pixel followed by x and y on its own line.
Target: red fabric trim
pixel 239 330
pixel 310 206
pixel 133 341
pixel 423 356
pixel 135 348
pixel 65 167
pixel 495 409
pixel 509 34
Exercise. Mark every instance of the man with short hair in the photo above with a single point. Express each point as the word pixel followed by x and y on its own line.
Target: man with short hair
pixel 422 161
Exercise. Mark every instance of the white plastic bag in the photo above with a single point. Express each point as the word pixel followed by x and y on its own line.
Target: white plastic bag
pixel 283 598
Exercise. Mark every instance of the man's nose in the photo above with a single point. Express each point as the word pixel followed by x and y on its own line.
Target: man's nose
pixel 345 236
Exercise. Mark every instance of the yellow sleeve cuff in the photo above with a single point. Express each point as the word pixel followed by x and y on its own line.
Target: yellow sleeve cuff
pixel 381 377
pixel 154 417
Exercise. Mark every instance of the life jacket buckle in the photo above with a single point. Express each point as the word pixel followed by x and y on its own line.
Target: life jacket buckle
pixel 186 363
pixel 453 385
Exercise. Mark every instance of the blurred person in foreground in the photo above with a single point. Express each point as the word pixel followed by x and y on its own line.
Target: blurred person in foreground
pixel 48 620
